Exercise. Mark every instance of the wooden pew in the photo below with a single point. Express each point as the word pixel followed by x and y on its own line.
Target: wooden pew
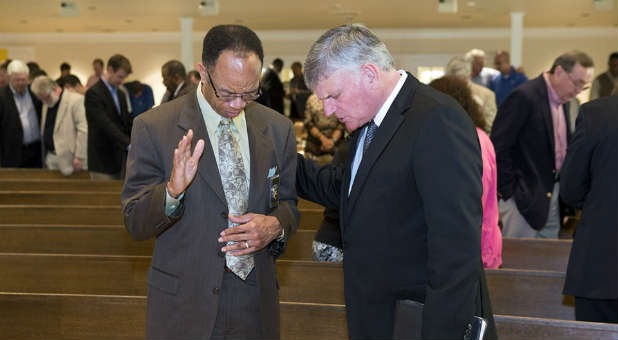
pixel 74 316
pixel 72 239
pixel 96 215
pixel 18 173
pixel 59 198
pixel 536 254
pixel 71 316
pixel 60 185
pixel 520 293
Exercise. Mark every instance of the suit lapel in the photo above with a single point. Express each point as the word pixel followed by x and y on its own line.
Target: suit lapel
pixel 109 98
pixel 393 119
pixel 546 111
pixel 191 118
pixel 260 159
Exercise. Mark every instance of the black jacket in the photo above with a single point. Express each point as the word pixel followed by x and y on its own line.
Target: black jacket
pixel 588 181
pixel 108 130
pixel 523 137
pixel 411 226
pixel 11 131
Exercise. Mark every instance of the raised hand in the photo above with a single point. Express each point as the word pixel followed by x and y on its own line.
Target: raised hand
pixel 185 165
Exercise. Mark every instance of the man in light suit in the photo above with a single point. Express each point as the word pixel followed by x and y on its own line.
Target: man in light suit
pixel 588 181
pixel 109 121
pixel 64 129
pixel 530 135
pixel 409 195
pixel 190 196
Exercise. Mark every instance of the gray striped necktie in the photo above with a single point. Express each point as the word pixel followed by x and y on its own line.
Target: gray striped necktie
pixel 236 188
pixel 369 135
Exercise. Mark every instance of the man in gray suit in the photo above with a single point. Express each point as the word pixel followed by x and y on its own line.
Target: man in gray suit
pixel 221 211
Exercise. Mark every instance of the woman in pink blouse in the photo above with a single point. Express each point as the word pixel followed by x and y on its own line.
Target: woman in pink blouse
pixel 491 237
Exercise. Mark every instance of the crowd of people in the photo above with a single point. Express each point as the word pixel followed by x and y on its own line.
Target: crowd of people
pixel 431 177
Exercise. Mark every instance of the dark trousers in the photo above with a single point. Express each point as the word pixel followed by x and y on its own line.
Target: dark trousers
pixel 31 156
pixel 596 310
pixel 238 316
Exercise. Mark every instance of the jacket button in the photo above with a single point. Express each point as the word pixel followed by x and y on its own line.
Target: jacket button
pixel 216 290
pixel 549 195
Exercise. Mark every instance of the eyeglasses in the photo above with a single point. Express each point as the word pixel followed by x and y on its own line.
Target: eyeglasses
pixel 228 97
pixel 578 84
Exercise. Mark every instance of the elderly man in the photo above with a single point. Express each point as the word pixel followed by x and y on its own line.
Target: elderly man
pixel 20 116
pixel 530 135
pixel 109 121
pixel 175 81
pixel 221 209
pixel 64 127
pixel 480 74
pixel 409 195
pixel 460 67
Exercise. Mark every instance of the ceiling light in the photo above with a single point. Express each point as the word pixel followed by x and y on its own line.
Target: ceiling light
pixel 69 9
pixel 208 7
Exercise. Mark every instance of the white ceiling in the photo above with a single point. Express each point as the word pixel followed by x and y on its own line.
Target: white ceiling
pixel 163 15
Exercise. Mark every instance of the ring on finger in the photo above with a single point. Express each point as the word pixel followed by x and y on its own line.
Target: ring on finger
pixel 246 244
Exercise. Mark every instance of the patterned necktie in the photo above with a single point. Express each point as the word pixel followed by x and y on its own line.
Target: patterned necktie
pixel 236 188
pixel 369 135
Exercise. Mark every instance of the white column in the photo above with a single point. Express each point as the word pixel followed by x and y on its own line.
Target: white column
pixel 186 43
pixel 517 38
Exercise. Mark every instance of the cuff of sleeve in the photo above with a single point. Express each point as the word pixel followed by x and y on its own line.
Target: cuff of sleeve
pixel 172 204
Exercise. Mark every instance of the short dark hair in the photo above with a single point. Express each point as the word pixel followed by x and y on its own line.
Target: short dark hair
pixel 65 66
pixel 98 61
pixel 612 56
pixel 239 39
pixel 118 61
pixel 296 64
pixel 278 62
pixel 5 64
pixel 71 80
pixel 134 87
pixel 37 73
pixel 458 88
pixel 174 67
pixel 33 67
pixel 194 73
pixel 568 60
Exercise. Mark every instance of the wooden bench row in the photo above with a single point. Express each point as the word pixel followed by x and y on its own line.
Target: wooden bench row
pixel 97 215
pixel 72 197
pixel 534 254
pixel 513 292
pixel 74 316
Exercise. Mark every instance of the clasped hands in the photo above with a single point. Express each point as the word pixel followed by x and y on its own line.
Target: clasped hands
pixel 254 232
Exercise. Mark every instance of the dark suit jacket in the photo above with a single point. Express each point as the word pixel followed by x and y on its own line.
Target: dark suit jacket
pixel 272 90
pixel 411 226
pixel 108 130
pixel 588 181
pixel 187 264
pixel 523 136
pixel 187 87
pixel 11 131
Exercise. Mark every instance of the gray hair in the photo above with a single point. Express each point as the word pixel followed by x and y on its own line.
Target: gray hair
pixel 458 66
pixel 475 52
pixel 17 66
pixel 345 47
pixel 42 85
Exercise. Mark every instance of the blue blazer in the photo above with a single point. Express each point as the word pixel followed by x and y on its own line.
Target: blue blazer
pixel 523 136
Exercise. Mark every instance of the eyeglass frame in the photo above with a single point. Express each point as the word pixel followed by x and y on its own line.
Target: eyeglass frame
pixel 228 98
pixel 582 87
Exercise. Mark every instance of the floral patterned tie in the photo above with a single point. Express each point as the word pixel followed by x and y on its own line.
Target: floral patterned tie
pixel 236 188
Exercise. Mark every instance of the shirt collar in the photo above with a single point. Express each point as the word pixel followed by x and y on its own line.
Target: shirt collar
pixel 553 97
pixel 110 87
pixel 178 88
pixel 379 117
pixel 212 118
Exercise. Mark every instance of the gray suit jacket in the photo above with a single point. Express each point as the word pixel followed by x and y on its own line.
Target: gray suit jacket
pixel 71 127
pixel 187 265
